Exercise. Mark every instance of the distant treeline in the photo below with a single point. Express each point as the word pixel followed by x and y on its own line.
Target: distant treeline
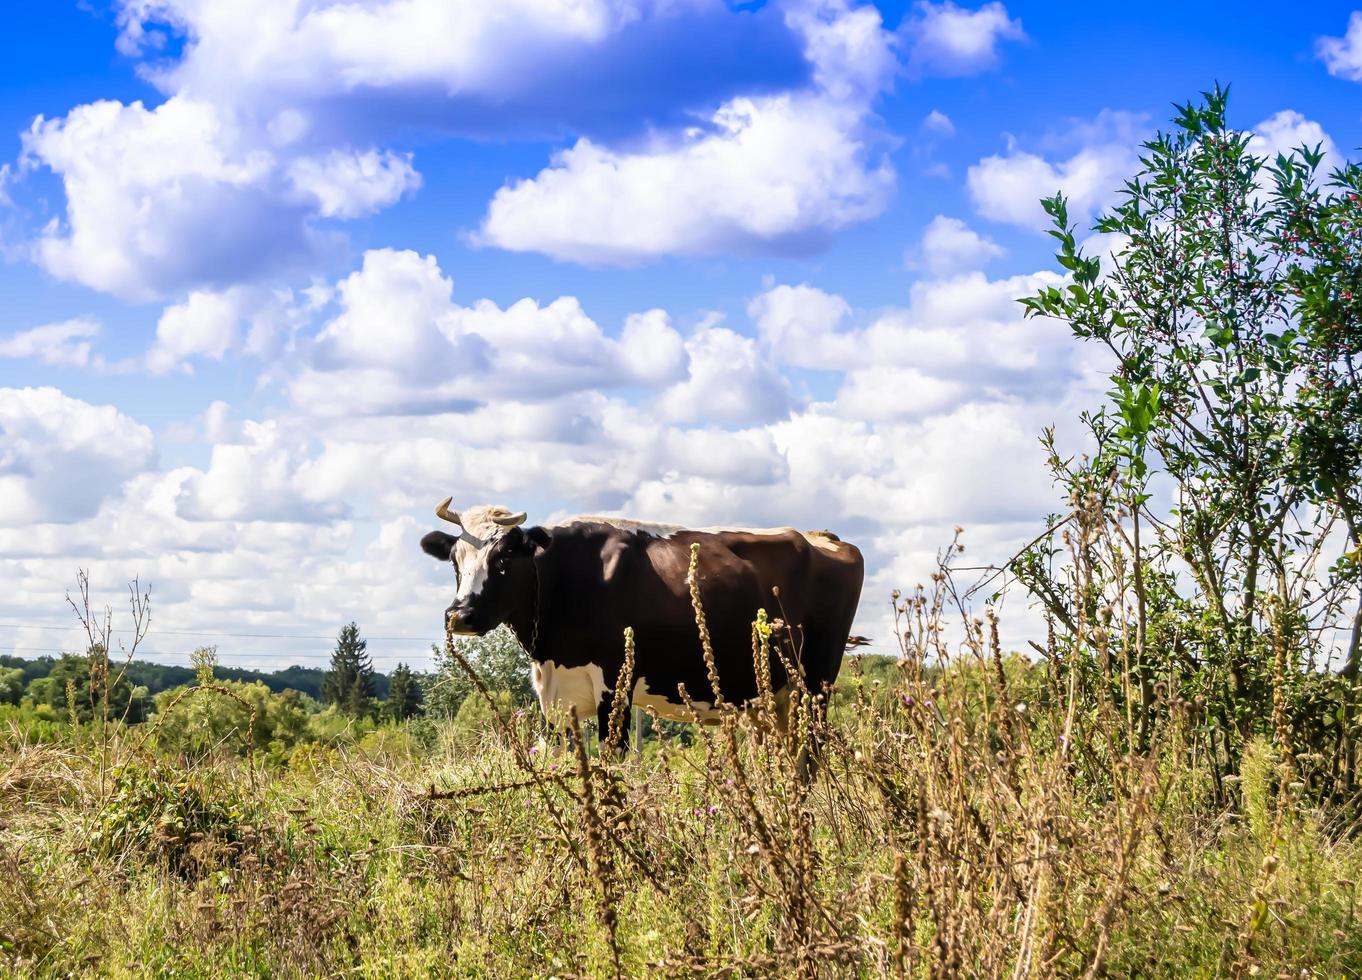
pixel 159 677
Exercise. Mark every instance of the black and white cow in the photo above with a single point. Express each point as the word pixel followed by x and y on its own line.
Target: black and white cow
pixel 569 590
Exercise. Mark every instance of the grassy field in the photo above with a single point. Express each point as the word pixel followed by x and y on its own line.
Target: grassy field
pixel 974 818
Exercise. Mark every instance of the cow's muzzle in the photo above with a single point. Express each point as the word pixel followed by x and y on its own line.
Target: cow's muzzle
pixel 456 621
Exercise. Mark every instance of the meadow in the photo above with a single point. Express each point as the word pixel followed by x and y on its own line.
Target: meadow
pixel 973 814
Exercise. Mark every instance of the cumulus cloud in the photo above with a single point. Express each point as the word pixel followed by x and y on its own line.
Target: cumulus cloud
pixel 1342 56
pixel 772 172
pixel 274 116
pixel 278 118
pixel 400 344
pixel 157 199
pixel 260 477
pixel 347 184
pixel 798 325
pixel 65 344
pixel 1008 187
pixel 949 245
pixel 204 325
pixel 729 381
pixel 964 328
pixel 520 67
pixel 939 123
pixel 1288 130
pixel 944 39
pixel 60 456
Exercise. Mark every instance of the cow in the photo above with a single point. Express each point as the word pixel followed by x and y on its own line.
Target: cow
pixel 569 590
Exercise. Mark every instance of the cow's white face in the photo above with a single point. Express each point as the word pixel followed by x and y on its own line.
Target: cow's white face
pixel 472 558
pixel 484 555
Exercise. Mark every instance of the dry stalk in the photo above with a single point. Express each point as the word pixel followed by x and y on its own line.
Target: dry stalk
pixel 619 706
pixel 601 863
pixel 706 646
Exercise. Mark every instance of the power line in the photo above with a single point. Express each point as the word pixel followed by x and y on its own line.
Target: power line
pixel 221 656
pixel 260 636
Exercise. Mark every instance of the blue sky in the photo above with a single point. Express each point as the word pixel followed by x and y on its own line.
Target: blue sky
pixel 281 275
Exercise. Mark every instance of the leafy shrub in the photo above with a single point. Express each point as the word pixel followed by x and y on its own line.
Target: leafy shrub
pixel 160 816
pixel 230 716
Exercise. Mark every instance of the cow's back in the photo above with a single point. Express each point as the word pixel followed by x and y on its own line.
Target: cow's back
pixel 611 574
pixel 810 581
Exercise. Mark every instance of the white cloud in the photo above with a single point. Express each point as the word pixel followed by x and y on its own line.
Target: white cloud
pixel 60 457
pixel 258 47
pixel 770 172
pixel 347 184
pixel 221 183
pixel 949 245
pixel 259 477
pixel 1288 130
pixel 399 343
pixel 651 351
pixel 948 40
pixel 66 343
pixel 764 172
pixel 1342 56
pixel 157 199
pixel 884 392
pixel 966 328
pixel 729 382
pixel 938 122
pixel 204 325
pixel 798 325
pixel 276 116
pixel 1009 187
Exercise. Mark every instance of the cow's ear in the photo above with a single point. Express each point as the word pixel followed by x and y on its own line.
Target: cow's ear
pixel 439 545
pixel 538 539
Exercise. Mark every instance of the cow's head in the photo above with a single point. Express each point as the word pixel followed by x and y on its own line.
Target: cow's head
pixel 493 558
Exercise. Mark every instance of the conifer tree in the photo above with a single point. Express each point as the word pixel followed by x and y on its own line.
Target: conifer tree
pixel 349 684
pixel 404 694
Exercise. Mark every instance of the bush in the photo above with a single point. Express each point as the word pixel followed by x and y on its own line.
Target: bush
pixel 230 716
pixel 165 817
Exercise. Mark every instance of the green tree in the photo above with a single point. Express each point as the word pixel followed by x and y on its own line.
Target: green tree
pixel 349 684
pixel 11 685
pixel 404 694
pixel 498 658
pixel 1232 316
pixel 89 678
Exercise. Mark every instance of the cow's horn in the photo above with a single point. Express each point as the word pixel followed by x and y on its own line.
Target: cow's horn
pixel 445 514
pixel 510 520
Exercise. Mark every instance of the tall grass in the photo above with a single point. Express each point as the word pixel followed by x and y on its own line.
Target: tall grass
pixel 977 815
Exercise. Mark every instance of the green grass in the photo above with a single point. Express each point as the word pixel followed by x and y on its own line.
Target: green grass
pixel 945 833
